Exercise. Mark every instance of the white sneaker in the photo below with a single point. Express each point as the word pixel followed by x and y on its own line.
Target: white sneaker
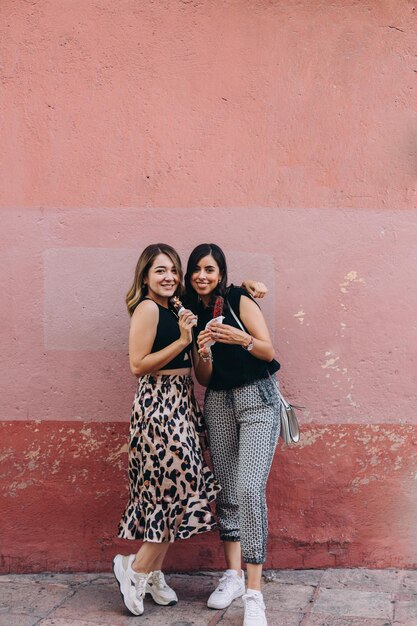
pixel 230 587
pixel 132 584
pixel 254 610
pixel 161 593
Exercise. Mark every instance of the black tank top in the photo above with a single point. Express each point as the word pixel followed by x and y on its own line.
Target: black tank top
pixel 167 332
pixel 233 366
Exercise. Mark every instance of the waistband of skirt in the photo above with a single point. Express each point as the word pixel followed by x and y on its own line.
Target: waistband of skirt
pixel 161 379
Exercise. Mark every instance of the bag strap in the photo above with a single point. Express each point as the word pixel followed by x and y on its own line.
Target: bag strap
pixel 286 404
pixel 239 323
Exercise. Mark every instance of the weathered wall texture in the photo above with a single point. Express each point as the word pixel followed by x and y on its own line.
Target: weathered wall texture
pixel 286 131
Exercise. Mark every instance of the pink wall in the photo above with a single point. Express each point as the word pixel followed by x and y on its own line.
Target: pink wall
pixel 286 132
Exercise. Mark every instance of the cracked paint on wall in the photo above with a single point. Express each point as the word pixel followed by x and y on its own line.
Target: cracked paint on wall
pixel 350 278
pixel 342 482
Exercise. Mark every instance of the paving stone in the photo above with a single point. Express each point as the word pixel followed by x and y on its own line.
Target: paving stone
pixel 56 578
pixel 387 581
pixel 298 577
pixel 234 616
pixel 194 588
pixel 409 582
pixel 17 619
pixel 353 603
pixel 406 611
pixel 280 618
pixel 53 621
pixel 183 614
pixel 93 603
pixel 287 598
pixel 31 597
pixel 333 620
pixel 344 598
pixel 102 604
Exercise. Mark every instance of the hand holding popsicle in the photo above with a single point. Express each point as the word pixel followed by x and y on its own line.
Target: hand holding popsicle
pixel 179 308
pixel 218 320
pixel 217 317
pixel 186 320
pixel 177 305
pixel 204 340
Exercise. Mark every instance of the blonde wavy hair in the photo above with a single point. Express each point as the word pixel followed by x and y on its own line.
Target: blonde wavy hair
pixel 138 289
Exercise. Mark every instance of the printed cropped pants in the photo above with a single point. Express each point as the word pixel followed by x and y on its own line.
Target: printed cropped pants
pixel 243 427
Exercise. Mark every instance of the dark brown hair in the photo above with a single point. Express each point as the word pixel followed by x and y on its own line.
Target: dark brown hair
pixel 205 249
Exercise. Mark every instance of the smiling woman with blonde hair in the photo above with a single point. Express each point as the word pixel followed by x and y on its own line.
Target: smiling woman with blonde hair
pixel 170 484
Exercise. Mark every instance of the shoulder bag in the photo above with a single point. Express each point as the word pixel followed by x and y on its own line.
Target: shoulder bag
pixel 290 430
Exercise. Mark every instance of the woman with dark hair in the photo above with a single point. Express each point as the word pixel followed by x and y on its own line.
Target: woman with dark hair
pixel 242 418
pixel 170 484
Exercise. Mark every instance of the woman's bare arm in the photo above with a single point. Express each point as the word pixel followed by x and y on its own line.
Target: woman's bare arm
pixel 203 367
pixel 254 321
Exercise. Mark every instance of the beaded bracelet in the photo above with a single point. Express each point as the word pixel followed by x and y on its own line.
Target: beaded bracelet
pixel 207 358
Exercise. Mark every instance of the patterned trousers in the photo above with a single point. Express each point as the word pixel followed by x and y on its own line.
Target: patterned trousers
pixel 243 427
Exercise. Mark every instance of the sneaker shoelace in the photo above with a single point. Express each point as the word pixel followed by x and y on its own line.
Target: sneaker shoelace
pixel 159 579
pixel 140 584
pixel 254 606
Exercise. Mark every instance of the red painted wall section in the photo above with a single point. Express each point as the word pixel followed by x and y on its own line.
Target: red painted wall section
pixel 284 131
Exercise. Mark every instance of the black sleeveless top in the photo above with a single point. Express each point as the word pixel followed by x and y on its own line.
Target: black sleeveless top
pixel 233 366
pixel 168 331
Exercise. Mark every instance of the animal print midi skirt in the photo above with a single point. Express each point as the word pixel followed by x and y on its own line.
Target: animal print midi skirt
pixel 170 484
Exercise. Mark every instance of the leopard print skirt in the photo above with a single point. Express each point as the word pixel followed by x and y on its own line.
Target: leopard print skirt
pixel 170 484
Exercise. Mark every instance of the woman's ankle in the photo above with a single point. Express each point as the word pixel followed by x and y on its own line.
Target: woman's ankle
pixel 253 590
pixel 139 569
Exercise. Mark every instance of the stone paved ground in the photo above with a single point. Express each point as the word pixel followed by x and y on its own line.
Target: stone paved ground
pixel 333 597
